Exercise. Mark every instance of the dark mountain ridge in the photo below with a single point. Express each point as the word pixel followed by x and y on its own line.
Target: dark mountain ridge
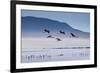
pixel 36 26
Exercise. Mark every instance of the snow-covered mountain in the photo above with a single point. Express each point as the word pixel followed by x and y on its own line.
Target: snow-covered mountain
pixel 35 27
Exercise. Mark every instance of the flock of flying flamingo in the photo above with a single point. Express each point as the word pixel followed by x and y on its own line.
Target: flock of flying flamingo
pixel 61 32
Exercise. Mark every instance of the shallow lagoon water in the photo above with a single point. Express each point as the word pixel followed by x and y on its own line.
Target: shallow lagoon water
pixel 44 55
pixel 44 50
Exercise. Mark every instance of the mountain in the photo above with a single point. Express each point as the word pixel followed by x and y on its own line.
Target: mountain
pixel 34 27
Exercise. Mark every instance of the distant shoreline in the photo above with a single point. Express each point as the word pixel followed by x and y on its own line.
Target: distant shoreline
pixel 43 49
